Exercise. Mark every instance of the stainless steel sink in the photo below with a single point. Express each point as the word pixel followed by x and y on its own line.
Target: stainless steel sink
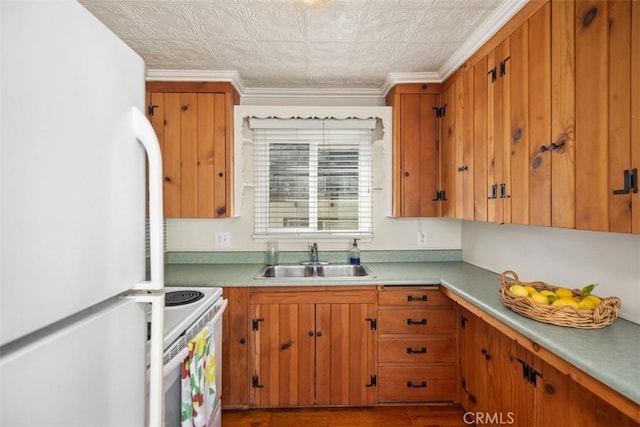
pixel 311 271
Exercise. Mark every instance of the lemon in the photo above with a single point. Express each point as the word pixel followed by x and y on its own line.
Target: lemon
pixel 538 297
pixel 587 304
pixel 530 289
pixel 564 301
pixel 593 298
pixel 564 292
pixel 547 292
pixel 518 290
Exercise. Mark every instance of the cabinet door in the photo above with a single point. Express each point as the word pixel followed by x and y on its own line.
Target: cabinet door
pixel 450 137
pixel 345 351
pixel 592 121
pixel 235 349
pixel 562 164
pixel 471 373
pixel 415 156
pixel 283 355
pixel 193 123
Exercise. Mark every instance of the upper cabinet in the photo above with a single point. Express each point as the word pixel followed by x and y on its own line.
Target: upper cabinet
pixel 415 155
pixel 547 124
pixel 607 47
pixel 194 124
pixel 510 121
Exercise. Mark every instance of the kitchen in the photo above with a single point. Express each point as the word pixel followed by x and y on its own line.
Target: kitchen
pixel 552 254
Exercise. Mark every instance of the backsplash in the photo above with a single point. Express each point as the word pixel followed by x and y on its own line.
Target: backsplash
pixel 258 257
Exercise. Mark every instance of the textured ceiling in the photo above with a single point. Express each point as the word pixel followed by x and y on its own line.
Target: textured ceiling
pixel 291 44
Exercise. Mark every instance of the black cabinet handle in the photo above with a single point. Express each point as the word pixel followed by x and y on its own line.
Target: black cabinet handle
pixel 627 183
pixel 493 74
pixel 373 382
pixel 416 322
pixel 634 180
pixel 319 333
pixel 242 340
pixel 494 192
pixel 486 354
pixel 411 298
pixel 503 191
pixel 423 350
pixel 503 66
pixel 422 384
pixel 406 174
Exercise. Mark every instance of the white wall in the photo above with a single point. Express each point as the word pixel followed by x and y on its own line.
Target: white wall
pixel 557 256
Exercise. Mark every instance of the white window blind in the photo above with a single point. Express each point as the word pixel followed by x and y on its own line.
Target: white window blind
pixel 313 176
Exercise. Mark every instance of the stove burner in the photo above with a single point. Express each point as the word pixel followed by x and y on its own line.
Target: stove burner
pixel 174 298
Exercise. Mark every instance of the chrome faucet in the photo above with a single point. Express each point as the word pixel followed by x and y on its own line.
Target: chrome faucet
pixel 314 253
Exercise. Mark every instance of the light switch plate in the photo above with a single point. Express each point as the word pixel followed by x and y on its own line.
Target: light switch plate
pixel 222 239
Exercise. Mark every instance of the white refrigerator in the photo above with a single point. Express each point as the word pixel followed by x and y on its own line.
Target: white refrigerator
pixel 80 168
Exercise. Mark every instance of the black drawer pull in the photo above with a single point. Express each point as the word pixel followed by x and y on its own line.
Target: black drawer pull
pixel 423 350
pixel 422 384
pixel 411 298
pixel 416 322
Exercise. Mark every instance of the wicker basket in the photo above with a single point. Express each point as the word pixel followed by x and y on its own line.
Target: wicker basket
pixel 601 316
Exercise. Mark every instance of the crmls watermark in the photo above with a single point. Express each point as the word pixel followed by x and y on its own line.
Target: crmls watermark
pixel 480 418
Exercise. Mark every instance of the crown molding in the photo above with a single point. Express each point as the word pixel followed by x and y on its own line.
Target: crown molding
pixel 483 32
pixel 254 92
pixel 397 78
pixel 230 76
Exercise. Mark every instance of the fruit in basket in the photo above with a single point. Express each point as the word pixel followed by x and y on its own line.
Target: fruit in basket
pixel 530 289
pixel 565 301
pixel 587 304
pixel 518 290
pixel 593 298
pixel 564 293
pixel 539 297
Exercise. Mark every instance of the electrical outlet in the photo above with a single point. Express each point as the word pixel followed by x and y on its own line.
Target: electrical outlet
pixel 222 239
pixel 422 238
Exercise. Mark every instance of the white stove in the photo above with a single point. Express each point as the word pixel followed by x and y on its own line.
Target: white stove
pixel 181 324
pixel 178 319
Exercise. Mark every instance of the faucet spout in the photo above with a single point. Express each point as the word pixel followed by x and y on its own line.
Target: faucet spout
pixel 314 253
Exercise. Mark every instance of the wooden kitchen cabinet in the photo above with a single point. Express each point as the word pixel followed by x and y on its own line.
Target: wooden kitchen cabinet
pixel 313 347
pixel 506 376
pixel 235 349
pixel 194 125
pixel 456 162
pixel 415 151
pixel 416 345
pixel 487 368
pixel 607 139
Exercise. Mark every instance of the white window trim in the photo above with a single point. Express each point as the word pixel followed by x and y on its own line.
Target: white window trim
pixel 382 178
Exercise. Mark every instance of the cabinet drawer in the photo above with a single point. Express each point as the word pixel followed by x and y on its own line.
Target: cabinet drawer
pixel 411 384
pixel 417 350
pixel 410 297
pixel 415 321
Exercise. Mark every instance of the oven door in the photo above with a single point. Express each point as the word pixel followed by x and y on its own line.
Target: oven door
pixel 172 376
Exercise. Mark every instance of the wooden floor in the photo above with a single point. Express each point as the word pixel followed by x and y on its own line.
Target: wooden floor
pixel 394 416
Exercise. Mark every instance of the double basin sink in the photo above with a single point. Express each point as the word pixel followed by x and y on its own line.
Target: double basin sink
pixel 314 270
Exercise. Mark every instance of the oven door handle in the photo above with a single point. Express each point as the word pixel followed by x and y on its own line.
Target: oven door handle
pixel 179 358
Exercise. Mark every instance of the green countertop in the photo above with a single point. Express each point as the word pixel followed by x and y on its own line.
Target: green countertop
pixel 610 354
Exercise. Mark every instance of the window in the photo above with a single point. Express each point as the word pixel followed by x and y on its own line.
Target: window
pixel 313 176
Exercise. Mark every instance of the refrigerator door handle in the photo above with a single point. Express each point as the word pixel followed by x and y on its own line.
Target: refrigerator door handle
pixel 144 132
pixel 156 393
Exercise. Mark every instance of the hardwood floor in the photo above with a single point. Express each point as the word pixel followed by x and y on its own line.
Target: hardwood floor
pixel 386 416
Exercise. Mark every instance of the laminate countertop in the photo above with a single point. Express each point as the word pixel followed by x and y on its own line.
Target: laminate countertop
pixel 610 355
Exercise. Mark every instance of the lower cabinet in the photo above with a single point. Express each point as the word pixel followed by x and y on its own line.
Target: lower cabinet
pixel 502 382
pixel 416 345
pixel 312 347
pixel 368 345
